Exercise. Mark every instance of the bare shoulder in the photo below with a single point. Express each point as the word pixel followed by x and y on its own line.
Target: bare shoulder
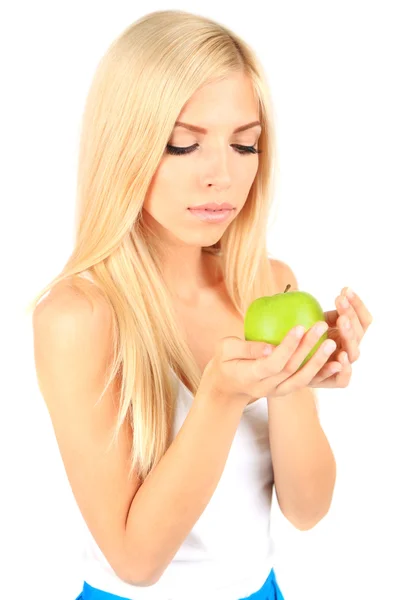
pixel 283 275
pixel 73 318
pixel 73 296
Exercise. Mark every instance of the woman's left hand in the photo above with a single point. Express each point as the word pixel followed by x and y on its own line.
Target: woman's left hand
pixel 347 341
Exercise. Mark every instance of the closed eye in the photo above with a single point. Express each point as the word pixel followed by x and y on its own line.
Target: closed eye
pixel 240 149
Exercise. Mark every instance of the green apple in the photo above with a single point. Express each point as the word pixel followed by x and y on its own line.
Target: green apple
pixel 270 318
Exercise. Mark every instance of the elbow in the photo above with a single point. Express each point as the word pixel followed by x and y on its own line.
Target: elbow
pixel 143 578
pixel 140 575
pixel 314 508
pixel 306 525
pixel 139 580
pixel 306 517
pixel 307 520
pixel 143 581
pixel 138 568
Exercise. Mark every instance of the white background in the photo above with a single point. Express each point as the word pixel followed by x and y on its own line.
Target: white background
pixel 333 69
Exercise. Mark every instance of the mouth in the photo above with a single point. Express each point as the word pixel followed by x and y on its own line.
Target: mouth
pixel 211 215
pixel 211 210
pixel 212 206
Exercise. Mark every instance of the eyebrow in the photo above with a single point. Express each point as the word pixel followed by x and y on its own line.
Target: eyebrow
pixel 203 130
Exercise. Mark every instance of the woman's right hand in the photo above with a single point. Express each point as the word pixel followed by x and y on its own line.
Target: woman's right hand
pixel 240 371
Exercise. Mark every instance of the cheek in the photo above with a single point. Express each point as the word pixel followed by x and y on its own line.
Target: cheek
pixel 168 170
pixel 167 188
pixel 172 177
pixel 244 178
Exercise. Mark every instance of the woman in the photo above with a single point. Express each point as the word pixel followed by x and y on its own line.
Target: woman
pixel 172 427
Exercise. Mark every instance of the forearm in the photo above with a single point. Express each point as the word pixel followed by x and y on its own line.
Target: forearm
pixel 175 494
pixel 303 462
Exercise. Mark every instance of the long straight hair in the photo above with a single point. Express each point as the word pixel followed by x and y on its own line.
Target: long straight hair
pixel 139 89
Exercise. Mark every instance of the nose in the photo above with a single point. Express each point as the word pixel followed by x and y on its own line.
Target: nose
pixel 218 171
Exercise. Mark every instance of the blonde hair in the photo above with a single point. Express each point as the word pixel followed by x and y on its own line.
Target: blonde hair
pixel 139 89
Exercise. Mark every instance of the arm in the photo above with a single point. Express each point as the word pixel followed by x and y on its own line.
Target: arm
pixel 140 528
pixel 303 462
pixel 175 494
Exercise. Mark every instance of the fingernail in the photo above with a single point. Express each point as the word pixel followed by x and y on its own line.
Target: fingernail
pixel 267 350
pixel 299 331
pixel 329 347
pixel 349 293
pixel 345 302
pixel 321 328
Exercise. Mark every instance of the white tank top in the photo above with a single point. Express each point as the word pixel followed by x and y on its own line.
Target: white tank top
pixel 229 552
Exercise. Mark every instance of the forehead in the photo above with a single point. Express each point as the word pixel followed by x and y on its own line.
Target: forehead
pixel 230 102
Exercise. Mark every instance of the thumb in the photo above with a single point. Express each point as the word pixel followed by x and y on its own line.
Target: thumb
pixel 233 347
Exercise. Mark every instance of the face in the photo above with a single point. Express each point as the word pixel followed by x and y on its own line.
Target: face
pixel 218 166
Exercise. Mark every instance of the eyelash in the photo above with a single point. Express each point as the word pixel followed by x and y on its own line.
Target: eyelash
pixel 240 149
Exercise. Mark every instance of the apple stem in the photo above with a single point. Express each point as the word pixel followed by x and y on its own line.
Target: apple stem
pixel 287 287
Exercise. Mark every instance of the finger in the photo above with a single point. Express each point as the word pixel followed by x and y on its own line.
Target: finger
pixel 276 362
pixel 346 371
pixel 338 380
pixel 363 313
pixel 349 340
pixel 327 374
pixel 304 376
pixel 347 312
pixel 308 342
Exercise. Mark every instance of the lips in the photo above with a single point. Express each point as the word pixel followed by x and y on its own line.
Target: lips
pixel 212 206
pixel 211 216
pixel 210 209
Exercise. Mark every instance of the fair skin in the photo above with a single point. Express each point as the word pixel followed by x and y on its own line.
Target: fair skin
pixel 214 172
pixel 141 528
